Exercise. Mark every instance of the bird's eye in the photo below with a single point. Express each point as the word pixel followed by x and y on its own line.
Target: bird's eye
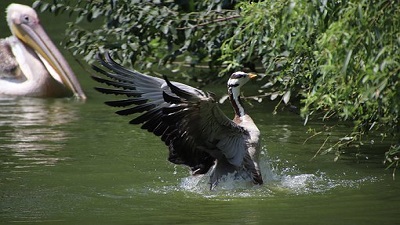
pixel 25 18
pixel 238 75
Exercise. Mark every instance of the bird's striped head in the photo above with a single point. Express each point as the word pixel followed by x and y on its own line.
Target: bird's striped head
pixel 238 79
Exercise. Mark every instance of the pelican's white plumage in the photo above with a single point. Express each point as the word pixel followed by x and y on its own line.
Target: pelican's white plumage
pixel 30 63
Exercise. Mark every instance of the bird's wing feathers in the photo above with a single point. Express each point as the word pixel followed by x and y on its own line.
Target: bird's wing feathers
pixel 200 118
pixel 9 68
pixel 187 119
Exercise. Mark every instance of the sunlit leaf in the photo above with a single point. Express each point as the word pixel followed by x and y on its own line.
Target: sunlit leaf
pixel 274 96
pixel 286 97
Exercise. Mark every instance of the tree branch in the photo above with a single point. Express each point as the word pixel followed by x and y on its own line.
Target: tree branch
pixel 210 22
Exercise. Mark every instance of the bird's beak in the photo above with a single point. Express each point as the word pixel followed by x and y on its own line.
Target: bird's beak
pixel 36 37
pixel 252 75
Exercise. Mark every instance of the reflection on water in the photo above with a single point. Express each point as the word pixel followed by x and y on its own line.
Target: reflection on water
pixel 31 130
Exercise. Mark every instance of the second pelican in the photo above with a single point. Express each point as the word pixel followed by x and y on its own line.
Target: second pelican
pixel 30 64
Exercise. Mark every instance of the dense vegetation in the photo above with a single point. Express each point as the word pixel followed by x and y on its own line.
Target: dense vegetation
pixel 335 59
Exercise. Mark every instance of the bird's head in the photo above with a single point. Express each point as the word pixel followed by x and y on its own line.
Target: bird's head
pixel 21 15
pixel 238 79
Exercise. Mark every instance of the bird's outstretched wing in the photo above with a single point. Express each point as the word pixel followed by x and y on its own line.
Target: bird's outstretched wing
pixel 187 119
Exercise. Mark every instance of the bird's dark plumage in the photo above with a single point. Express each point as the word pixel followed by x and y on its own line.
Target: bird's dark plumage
pixel 188 121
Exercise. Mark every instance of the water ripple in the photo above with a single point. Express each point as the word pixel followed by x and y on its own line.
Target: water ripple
pixel 31 130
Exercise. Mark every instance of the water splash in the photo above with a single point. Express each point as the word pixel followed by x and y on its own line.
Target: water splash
pixel 229 182
pixel 287 181
pixel 281 178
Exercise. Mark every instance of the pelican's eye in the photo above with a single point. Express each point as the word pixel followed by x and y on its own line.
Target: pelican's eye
pixel 25 19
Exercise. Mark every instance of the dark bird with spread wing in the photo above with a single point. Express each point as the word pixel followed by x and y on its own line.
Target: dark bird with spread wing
pixel 188 120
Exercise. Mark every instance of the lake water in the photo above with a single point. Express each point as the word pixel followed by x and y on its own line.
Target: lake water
pixel 68 162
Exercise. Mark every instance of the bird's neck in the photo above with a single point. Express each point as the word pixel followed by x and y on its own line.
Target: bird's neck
pixel 234 97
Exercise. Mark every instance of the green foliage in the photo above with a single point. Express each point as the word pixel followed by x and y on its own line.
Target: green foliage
pixel 280 35
pixel 337 59
pixel 358 63
pixel 146 31
pixel 392 158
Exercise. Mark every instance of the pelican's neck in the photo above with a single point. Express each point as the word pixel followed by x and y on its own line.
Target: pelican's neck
pixel 234 97
pixel 29 63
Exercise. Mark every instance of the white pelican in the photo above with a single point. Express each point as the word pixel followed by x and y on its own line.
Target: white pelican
pixel 30 64
pixel 189 121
